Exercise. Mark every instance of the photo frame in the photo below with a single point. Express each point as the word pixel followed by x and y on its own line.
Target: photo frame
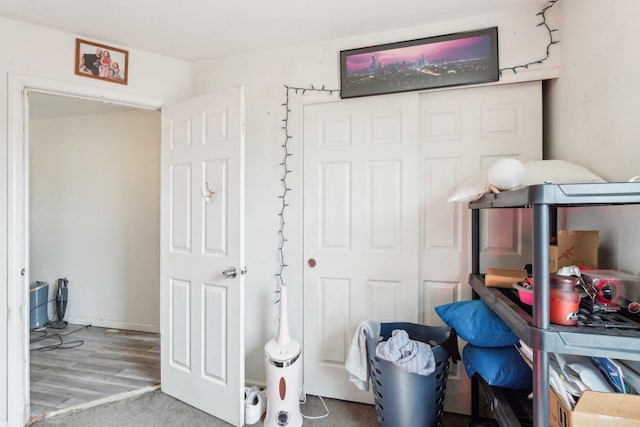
pixel 102 62
pixel 464 58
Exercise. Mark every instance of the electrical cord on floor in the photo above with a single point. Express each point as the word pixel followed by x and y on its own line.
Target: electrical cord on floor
pixel 62 345
pixel 304 400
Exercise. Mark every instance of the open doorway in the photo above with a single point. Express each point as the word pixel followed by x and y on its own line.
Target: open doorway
pixel 94 188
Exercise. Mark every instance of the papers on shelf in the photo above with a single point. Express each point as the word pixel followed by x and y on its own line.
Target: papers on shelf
pixel 631 375
pixel 568 391
pixel 611 371
pixel 526 352
pixel 569 375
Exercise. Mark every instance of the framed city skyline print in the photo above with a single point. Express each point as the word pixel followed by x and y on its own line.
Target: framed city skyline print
pixel 463 58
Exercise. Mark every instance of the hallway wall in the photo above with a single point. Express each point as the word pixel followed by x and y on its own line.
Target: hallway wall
pixel 40 53
pixel 95 190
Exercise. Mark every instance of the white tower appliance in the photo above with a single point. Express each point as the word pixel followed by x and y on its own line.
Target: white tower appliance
pixel 283 374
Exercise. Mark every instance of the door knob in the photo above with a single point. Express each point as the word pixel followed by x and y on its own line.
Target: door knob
pixel 229 273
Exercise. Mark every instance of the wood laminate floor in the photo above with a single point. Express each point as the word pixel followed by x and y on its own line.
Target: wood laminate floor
pixel 84 364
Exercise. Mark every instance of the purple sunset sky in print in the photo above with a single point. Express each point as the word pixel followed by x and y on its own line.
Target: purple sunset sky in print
pixel 472 47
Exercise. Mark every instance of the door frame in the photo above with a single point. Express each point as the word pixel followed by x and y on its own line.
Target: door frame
pixel 19 85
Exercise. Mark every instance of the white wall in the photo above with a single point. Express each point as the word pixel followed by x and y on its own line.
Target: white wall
pixel 263 75
pixel 94 215
pixel 592 114
pixel 38 51
pixel 29 50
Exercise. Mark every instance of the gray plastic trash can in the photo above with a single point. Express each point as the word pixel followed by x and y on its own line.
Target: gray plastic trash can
pixel 405 399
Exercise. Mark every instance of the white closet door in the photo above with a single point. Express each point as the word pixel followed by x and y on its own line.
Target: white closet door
pixel 370 216
pixel 464 131
pixel 361 191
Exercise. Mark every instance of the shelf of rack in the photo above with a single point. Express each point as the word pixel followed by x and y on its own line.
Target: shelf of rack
pixel 511 408
pixel 535 329
pixel 581 340
pixel 559 195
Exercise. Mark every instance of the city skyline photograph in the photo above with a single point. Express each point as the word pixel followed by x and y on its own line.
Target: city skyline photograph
pixel 454 59
pixel 451 50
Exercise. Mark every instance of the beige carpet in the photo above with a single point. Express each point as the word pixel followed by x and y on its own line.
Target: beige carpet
pixel 158 409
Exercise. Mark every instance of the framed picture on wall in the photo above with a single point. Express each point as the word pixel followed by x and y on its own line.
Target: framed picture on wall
pixel 102 62
pixel 464 58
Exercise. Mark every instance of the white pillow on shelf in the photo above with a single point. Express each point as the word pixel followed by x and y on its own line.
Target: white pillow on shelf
pixel 471 188
pixel 557 172
pixel 476 185
pixel 506 174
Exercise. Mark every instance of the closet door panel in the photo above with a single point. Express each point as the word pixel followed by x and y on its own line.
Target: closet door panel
pixel 462 132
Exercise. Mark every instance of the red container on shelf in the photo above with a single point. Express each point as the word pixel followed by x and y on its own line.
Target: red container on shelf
pixel 564 300
pixel 525 291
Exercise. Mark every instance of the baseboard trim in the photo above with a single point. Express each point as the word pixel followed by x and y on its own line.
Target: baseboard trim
pixel 115 324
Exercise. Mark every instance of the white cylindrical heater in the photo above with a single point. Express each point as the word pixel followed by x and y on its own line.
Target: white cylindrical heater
pixel 283 374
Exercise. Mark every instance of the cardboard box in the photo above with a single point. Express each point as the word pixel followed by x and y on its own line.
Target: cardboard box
pixel 595 409
pixel 574 247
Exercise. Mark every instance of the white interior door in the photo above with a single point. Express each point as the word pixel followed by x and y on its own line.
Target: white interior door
pixel 462 132
pixel 202 236
pixel 361 191
pixel 375 207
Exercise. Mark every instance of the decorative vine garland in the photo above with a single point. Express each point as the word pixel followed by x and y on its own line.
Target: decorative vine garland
pixel 551 42
pixel 285 168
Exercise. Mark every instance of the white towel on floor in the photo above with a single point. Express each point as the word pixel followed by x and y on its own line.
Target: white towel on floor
pixel 414 356
pixel 356 363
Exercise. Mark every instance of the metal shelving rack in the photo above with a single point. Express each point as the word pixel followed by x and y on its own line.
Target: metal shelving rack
pixel 536 330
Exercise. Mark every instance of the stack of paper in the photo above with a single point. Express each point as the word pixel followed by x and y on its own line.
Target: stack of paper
pixel 611 371
pixel 526 352
pixel 570 375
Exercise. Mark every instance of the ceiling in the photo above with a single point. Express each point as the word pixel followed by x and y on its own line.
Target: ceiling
pixel 195 30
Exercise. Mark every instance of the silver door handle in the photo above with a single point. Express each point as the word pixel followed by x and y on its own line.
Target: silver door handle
pixel 229 273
